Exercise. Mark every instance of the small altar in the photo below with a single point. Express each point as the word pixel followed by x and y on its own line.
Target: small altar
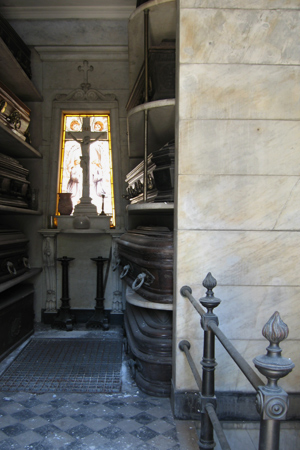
pixel 83 240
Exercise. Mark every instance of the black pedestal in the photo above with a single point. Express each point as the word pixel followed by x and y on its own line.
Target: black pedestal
pixel 64 320
pixel 98 319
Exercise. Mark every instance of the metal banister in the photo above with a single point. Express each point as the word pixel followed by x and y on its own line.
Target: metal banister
pixel 271 400
pixel 247 370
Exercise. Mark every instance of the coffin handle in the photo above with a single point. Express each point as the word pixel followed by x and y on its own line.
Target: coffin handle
pixel 138 282
pixel 116 265
pixel 11 268
pixel 26 263
pixel 125 271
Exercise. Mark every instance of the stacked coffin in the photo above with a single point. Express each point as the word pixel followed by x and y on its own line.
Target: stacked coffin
pixel 13 113
pixel 135 182
pixel 14 185
pixel 16 45
pixel 13 254
pixel 160 177
pixel 146 261
pixel 161 83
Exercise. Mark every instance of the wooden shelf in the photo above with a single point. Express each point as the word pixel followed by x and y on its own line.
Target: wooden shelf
pixel 19 279
pixel 135 299
pixel 14 77
pixel 12 145
pixel 146 208
pixel 162 25
pixel 15 210
pixel 161 126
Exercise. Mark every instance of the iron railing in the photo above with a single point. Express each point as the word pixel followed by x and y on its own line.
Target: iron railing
pixel 271 400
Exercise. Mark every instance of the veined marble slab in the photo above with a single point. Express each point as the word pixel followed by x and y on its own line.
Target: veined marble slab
pixel 227 375
pixel 253 147
pixel 260 258
pixel 238 202
pixel 239 91
pixel 239 36
pixel 243 311
pixel 254 4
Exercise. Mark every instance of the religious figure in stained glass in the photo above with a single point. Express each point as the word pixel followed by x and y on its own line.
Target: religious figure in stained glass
pixel 86 168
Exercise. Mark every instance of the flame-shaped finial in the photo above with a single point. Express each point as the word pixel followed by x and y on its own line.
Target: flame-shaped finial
pixel 209 282
pixel 275 330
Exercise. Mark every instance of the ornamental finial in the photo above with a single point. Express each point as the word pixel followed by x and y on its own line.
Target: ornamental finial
pixel 275 330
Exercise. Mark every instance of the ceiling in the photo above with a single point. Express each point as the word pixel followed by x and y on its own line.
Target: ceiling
pixel 67 9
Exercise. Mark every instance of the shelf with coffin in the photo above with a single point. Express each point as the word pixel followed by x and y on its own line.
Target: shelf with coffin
pixel 162 27
pixel 151 104
pixel 19 164
pixel 12 74
pixel 30 273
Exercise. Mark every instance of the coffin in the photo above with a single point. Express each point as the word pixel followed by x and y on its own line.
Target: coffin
pixel 162 70
pixel 16 45
pixel 161 83
pixel 160 177
pixel 16 317
pixel 149 336
pixel 135 182
pixel 13 254
pixel 163 173
pixel 146 262
pixel 14 186
pixel 14 113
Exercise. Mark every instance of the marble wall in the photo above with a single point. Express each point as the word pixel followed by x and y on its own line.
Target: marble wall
pixel 238 161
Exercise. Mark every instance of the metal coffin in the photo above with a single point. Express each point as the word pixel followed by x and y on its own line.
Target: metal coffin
pixel 149 336
pixel 14 113
pixel 13 254
pixel 16 317
pixel 135 182
pixel 146 261
pixel 14 186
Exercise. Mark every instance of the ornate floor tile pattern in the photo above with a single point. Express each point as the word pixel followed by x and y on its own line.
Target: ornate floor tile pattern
pixel 86 421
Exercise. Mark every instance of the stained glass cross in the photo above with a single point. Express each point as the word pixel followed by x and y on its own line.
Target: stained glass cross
pixel 85 138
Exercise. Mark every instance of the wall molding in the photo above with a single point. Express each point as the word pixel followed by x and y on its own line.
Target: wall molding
pixel 78 52
pixel 112 12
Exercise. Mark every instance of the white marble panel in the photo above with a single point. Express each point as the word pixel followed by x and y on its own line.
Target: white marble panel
pixel 266 258
pixel 227 375
pixel 238 202
pixel 239 36
pixel 83 271
pixel 252 147
pixel 238 91
pixel 254 4
pixel 243 311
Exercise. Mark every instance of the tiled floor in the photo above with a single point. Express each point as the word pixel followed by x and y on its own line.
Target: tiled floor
pixel 128 420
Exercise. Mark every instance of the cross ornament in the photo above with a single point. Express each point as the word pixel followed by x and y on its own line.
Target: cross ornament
pixel 85 69
pixel 85 138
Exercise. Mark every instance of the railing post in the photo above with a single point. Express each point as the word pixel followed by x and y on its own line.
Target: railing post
pixel 272 401
pixel 208 363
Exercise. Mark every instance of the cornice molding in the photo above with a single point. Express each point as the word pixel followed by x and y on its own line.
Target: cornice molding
pixel 77 52
pixel 66 12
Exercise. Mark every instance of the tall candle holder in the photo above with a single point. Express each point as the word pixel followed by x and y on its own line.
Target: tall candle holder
pixel 98 319
pixel 64 320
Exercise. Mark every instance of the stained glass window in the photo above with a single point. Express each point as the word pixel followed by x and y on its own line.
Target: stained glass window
pixel 75 129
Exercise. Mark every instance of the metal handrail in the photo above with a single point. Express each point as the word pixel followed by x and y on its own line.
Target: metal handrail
pixel 247 370
pixel 217 426
pixel 271 400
